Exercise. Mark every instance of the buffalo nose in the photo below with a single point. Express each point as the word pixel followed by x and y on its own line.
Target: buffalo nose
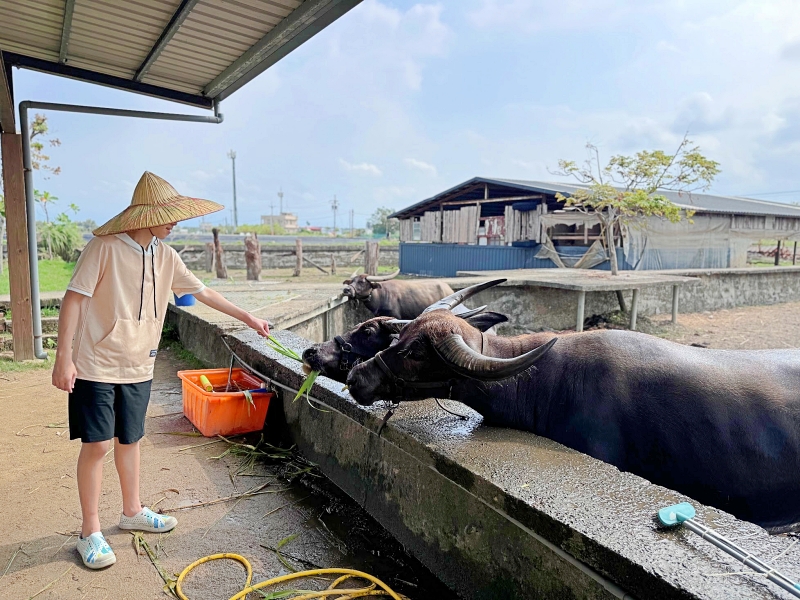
pixel 309 352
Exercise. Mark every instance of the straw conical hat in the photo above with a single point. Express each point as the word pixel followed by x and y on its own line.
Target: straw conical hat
pixel 155 202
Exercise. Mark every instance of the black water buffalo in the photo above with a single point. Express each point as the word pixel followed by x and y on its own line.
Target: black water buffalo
pixel 720 426
pixel 336 357
pixel 385 296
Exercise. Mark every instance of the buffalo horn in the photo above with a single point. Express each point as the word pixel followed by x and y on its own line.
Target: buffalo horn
pixel 471 313
pixel 467 362
pixel 379 278
pixel 465 315
pixel 453 300
pixel 355 273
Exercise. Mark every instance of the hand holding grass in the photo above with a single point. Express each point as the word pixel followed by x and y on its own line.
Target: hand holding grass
pixel 289 353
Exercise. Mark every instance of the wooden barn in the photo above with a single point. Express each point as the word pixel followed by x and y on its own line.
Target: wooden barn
pixel 510 224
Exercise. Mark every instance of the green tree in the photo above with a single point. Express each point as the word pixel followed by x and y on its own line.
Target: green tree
pixel 39 160
pixel 626 190
pixel 62 236
pixel 382 224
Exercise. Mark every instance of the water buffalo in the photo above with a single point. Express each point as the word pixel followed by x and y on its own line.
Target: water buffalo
pixel 336 357
pixel 385 296
pixel 720 426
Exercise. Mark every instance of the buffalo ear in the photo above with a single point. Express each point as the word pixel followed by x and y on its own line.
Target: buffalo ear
pixel 486 320
pixel 375 286
pixel 347 281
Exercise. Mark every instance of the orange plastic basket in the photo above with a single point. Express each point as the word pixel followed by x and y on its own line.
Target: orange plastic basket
pixel 223 413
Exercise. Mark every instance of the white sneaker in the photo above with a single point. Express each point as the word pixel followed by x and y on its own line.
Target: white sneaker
pixel 95 551
pixel 147 520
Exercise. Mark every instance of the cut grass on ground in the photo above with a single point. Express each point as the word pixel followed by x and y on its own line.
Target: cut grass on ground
pixel 54 275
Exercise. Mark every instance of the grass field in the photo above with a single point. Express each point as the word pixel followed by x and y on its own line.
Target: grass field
pixel 54 275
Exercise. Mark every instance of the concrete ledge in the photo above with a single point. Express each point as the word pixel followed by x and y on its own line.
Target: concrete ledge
pixel 535 308
pixel 498 513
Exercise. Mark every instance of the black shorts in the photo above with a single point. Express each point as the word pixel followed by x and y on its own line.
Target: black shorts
pixel 102 411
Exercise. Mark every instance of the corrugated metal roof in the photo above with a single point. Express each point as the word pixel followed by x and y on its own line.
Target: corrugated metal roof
pixel 704 203
pixel 204 49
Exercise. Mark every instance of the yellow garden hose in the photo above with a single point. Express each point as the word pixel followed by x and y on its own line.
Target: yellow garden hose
pixel 341 593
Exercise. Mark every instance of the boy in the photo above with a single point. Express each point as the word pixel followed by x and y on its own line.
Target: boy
pixel 114 309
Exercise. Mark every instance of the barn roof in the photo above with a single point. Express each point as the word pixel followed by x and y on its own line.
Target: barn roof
pixel 191 51
pixel 473 190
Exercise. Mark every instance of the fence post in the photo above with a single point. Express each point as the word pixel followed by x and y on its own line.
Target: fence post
pixel 298 250
pixel 778 254
pixel 208 257
pixel 18 265
pixel 333 264
pixel 371 257
pixel 219 256
pixel 252 256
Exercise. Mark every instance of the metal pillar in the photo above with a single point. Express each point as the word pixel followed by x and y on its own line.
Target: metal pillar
pixel 634 309
pixel 675 291
pixel 581 309
pixel 33 256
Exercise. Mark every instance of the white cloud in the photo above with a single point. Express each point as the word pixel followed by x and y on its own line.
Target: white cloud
pixel 421 165
pixel 361 167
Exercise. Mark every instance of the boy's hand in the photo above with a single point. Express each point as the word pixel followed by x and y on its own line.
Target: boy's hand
pixel 64 375
pixel 260 325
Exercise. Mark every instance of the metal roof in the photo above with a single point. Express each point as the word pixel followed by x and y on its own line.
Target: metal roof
pixel 702 203
pixel 191 51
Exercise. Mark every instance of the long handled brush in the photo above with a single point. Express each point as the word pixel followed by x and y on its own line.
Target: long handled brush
pixel 684 513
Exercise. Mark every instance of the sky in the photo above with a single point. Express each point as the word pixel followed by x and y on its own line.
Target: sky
pixel 397 101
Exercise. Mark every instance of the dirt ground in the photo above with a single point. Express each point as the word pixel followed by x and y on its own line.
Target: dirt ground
pixel 42 514
pixel 744 328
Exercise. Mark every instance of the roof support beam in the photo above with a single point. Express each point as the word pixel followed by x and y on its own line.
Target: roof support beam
pixel 46 66
pixel 493 200
pixel 308 19
pixel 7 122
pixel 169 32
pixel 66 30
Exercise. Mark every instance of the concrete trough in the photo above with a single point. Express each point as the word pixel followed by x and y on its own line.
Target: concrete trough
pixel 497 513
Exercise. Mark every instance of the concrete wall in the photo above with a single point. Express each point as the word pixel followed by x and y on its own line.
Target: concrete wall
pixel 496 513
pixel 535 308
pixel 282 256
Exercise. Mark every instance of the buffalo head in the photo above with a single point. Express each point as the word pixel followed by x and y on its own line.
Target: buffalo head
pixel 360 287
pixel 336 357
pixel 435 347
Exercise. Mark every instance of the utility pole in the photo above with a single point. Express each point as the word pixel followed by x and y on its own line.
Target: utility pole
pixel 232 156
pixel 352 215
pixel 335 206
pixel 280 195
pixel 271 218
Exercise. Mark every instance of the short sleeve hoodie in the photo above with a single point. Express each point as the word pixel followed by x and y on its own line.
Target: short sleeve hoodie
pixel 129 289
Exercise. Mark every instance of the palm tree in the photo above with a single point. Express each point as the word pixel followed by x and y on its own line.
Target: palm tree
pixel 45 199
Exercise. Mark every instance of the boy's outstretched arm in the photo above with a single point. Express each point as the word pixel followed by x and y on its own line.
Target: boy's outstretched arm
pixel 64 372
pixel 216 301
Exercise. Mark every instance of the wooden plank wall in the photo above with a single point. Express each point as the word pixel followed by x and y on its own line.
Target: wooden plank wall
pixel 524 225
pixel 406 230
pixel 430 226
pixel 461 226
